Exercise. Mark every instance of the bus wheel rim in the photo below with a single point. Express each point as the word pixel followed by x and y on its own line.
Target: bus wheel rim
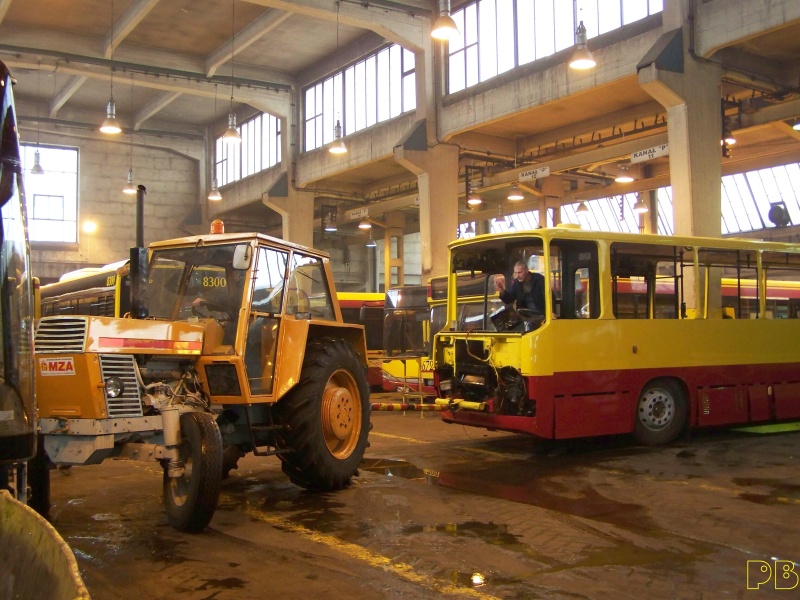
pixel 656 409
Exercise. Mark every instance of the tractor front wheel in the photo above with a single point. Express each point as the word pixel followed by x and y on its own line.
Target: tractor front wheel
pixel 191 499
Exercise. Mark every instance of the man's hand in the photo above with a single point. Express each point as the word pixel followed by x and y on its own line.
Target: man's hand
pixel 499 283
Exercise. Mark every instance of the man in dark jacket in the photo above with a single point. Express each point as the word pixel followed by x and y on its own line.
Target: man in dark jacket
pixel 527 289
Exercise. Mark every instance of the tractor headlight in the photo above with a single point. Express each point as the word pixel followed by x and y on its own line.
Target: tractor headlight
pixel 114 387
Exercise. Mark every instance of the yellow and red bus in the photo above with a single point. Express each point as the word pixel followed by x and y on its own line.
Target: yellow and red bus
pixel 407 340
pixel 366 308
pixel 641 334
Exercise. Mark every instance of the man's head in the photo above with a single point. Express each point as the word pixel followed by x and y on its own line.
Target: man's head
pixel 520 271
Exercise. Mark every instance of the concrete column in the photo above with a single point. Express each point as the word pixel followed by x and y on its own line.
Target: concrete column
pixel 689 88
pixel 393 266
pixel 436 169
pixel 297 215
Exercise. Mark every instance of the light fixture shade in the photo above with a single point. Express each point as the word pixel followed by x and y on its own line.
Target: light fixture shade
pixel 582 58
pixel 232 135
pixel 364 224
pixel 371 243
pixel 727 136
pixel 110 124
pixel 470 228
pixel 129 188
pixel 36 169
pixel 214 195
pixel 330 222
pixel 640 207
pixel 582 209
pixel 474 200
pixel 338 146
pixel 624 175
pixel 515 193
pixel 444 28
pixel 796 126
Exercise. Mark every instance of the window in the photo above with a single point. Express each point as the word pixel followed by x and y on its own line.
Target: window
pixel 375 89
pixel 52 198
pixel 260 149
pixel 499 35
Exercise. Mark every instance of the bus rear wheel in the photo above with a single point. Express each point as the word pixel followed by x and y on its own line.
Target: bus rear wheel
pixel 191 499
pixel 660 413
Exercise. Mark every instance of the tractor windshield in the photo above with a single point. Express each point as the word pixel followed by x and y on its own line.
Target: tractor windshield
pixel 196 282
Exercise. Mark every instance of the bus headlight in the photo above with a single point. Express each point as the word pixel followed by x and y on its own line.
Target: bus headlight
pixel 114 387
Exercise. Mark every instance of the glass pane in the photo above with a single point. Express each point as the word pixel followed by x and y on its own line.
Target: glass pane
pixel 544 25
pixel 525 32
pixel 633 10
pixel 505 35
pixel 488 40
pixel 456 76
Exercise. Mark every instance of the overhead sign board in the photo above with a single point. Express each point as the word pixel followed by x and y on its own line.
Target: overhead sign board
pixel 358 213
pixel 533 174
pixel 650 153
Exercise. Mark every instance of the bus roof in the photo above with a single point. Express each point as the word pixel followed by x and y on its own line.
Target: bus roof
pixel 549 233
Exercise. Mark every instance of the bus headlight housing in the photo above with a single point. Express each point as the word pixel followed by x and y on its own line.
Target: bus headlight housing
pixel 114 387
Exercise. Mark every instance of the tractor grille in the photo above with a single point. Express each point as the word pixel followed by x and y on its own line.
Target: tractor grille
pixel 129 404
pixel 60 335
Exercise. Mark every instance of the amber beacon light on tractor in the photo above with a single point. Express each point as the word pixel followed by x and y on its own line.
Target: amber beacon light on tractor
pixel 238 346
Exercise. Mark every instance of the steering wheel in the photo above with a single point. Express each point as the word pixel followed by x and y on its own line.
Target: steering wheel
pixel 531 316
pixel 205 310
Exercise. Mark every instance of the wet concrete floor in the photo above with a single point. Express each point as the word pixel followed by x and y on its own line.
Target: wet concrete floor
pixel 442 510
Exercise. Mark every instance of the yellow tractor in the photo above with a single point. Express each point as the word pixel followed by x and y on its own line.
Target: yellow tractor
pixel 235 343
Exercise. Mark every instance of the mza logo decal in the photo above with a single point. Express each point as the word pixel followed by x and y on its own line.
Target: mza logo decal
pixel 57 366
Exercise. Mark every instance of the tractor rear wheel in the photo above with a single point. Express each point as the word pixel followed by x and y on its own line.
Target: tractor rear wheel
pixel 325 418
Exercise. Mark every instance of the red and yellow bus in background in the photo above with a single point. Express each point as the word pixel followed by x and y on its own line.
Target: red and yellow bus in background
pixel 366 308
pixel 407 340
pixel 641 334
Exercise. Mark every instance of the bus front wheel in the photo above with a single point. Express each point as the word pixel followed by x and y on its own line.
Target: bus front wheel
pixel 191 499
pixel 660 413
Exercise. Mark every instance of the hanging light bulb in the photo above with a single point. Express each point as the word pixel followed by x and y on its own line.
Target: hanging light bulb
pixel 582 209
pixel 727 136
pixel 581 59
pixel 371 243
pixel 624 175
pixel 338 146
pixel 515 193
pixel 640 207
pixel 214 195
pixel 499 218
pixel 470 229
pixel 110 124
pixel 364 224
pixel 444 28
pixel 796 126
pixel 37 167
pixel 129 188
pixel 330 223
pixel 232 135
pixel 474 199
